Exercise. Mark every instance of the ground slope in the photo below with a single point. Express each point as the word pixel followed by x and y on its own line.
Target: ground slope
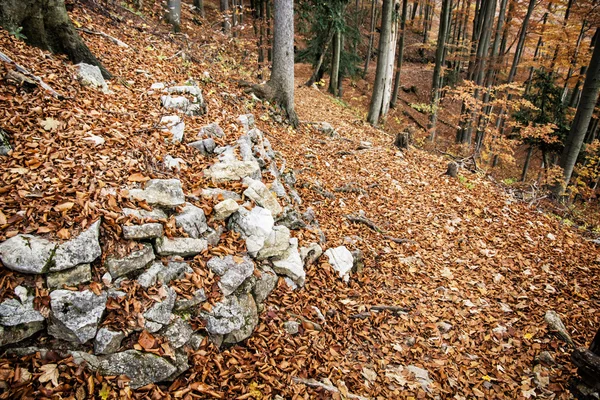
pixel 474 278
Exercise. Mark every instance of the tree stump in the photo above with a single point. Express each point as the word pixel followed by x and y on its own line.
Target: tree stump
pixel 452 169
pixel 402 140
pixel 588 369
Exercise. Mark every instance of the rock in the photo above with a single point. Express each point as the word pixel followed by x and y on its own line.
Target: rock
pixel 291 327
pixel 182 304
pixel 90 75
pixel 152 327
pixel 555 324
pixel 71 277
pixel 232 270
pixel 364 145
pixel 178 103
pixel 184 247
pixel 212 130
pixel 326 128
pixel 421 376
pixel 27 254
pixel 255 226
pixel 444 326
pixel 190 89
pixel 173 124
pixel 196 341
pixel 107 341
pixel 82 358
pixel 142 368
pixel 247 121
pixel 178 333
pixel 20 311
pixel 309 215
pixel 191 220
pixel 161 192
pixel 213 236
pixel 149 277
pixel 546 357
pixel 157 86
pixel 174 270
pixel 5 147
pixel 259 192
pixel 172 163
pixel 250 320
pixel 155 214
pixel 205 146
pixel 160 312
pixel 232 170
pixel 225 317
pixel 135 260
pixel 180 363
pixel 194 107
pixel 291 219
pixel 341 260
pixel 14 334
pixel 265 284
pixel 290 264
pixel 83 249
pixel 358 263
pixel 224 209
pixel 75 315
pixel 310 254
pixel 276 244
pixel 245 149
pixel 143 232
pixel 216 194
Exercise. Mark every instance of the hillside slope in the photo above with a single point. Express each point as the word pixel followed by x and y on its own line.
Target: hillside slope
pixel 471 278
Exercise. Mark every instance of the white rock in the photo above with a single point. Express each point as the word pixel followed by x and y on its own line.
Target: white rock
pixel 276 244
pixel 341 260
pixel 90 75
pixel 255 226
pixel 192 220
pixel 162 192
pixel 173 124
pixel 232 170
pixel 259 192
pixel 173 163
pixel 184 247
pixel 224 209
pixel 290 264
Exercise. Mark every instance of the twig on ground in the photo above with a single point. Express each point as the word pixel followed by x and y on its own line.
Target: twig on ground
pixel 111 38
pixel 393 309
pixel 350 189
pixel 373 226
pixel 330 388
pixel 21 69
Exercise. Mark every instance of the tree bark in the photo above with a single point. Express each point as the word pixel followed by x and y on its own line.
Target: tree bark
pixel 173 14
pixel 521 43
pixel 371 34
pixel 46 24
pixel 335 63
pixel 224 8
pixel 585 110
pixel 439 60
pixel 400 54
pixel 199 5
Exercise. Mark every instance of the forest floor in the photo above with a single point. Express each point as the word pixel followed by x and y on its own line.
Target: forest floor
pixel 473 279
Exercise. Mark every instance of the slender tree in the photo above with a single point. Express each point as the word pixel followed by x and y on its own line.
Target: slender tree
pixel 199 7
pixel 400 54
pixel 173 14
pixel 585 110
pixel 371 35
pixel 224 8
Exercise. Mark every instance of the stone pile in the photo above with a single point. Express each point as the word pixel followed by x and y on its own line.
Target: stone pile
pixel 264 221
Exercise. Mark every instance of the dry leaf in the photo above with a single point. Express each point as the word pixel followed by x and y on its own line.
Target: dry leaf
pixel 64 206
pixel 50 373
pixel 50 124
pixel 137 177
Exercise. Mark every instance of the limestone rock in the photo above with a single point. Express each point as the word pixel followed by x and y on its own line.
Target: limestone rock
pixel 259 192
pixel 182 304
pixel 276 244
pixel 155 214
pixel 178 333
pixel 71 277
pixel 265 284
pixel 290 264
pixel 213 236
pixel 555 324
pixel 135 260
pixel 27 254
pixel 341 260
pixel 247 121
pixel 233 272
pixel 224 209
pixel 255 226
pixel 216 193
pixel 178 103
pixel 82 249
pixel 160 312
pixel 142 368
pixel 14 334
pixel 20 311
pixel 184 247
pixel 250 320
pixel 173 124
pixel 205 146
pixel 291 327
pixel 310 254
pixel 225 317
pixel 75 315
pixel 143 232
pixel 173 163
pixel 161 192
pixel 90 75
pixel 173 270
pixel 232 170
pixel 191 220
pixel 291 219
pixel 107 341
pixel 212 130
pixel 5 147
pixel 150 276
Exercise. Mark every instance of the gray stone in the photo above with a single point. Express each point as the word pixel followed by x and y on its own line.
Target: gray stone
pixel 291 219
pixel 276 244
pixel 225 317
pixel 150 276
pixel 204 146
pixel 265 284
pixel 174 270
pixel 326 128
pixel 90 75
pixel 213 236
pixel 82 358
pixel 247 121
pixel 290 264
pixel 173 163
pixel 180 363
pixel 255 226
pixel 291 327
pixel 341 260
pixel 142 232
pixel 184 247
pixel 421 376
pixel 232 170
pixel 444 327
pixel 14 334
pixel 83 249
pixel 178 333
pixel 232 272
pixel 556 325
pixel 191 220
pixel 211 130
pixel 224 209
pixel 135 260
pixel 162 192
pixel 546 357
pixel 142 368
pixel 27 254
pixel 20 311
pixel 173 124
pixel 182 304
pixel 155 214
pixel 157 86
pixel 310 254
pixel 160 312
pixel 249 314
pixel 259 192
pixel 196 341
pixel 216 194
pixel 152 327
pixel 245 148
pixel 358 263
pixel 71 277
pixel 75 315
pixel 115 294
pixel 5 147
pixel 107 341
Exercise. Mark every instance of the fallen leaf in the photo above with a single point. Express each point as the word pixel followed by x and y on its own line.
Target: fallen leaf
pixel 50 373
pixel 50 124
pixel 137 177
pixel 64 206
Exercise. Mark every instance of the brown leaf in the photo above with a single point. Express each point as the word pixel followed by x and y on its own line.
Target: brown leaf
pixel 137 177
pixel 64 206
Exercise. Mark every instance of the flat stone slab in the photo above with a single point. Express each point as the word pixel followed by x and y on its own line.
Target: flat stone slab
pixel 255 226
pixel 82 249
pixel 71 277
pixel 262 196
pixel 75 315
pixel 184 247
pixel 290 264
pixel 161 192
pixel 143 232
pixel 142 368
pixel 224 209
pixel 232 270
pixel 135 260
pixel 19 311
pixel 341 260
pixel 232 170
pixel 192 220
pixel 27 254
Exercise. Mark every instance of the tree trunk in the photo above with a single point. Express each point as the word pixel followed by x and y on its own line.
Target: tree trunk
pixel 173 14
pixel 224 7
pixel 400 54
pixel 315 75
pixel 527 162
pixel 335 63
pixel 371 34
pixel 199 5
pixel 573 62
pixel 585 110
pixel 46 24
pixel 577 89
pixel 439 60
pixel 521 43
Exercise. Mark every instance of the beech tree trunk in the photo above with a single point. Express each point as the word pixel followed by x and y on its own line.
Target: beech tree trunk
pixel 585 110
pixel 400 54
pixel 46 24
pixel 199 5
pixel 335 63
pixel 371 34
pixel 224 7
pixel 173 14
